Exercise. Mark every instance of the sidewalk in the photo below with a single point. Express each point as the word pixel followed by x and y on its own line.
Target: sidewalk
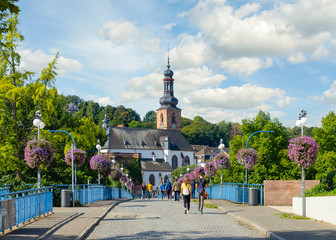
pixel 64 223
pixel 267 219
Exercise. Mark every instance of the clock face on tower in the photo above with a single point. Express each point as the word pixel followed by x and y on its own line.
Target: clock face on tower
pixel 174 125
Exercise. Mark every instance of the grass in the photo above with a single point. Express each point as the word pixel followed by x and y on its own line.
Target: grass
pixel 210 205
pixel 194 200
pixel 291 216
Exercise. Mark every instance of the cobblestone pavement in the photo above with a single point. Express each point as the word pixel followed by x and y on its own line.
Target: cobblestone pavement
pixel 165 219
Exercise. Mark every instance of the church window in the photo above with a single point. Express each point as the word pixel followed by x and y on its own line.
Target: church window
pixel 186 161
pixel 152 179
pixel 173 118
pixel 161 117
pixel 174 162
pixel 166 178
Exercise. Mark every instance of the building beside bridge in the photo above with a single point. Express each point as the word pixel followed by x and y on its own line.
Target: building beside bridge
pixel 160 150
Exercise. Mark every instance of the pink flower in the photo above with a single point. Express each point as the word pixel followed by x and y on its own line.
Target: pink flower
pixel 79 157
pixel 247 157
pixel 303 151
pixel 39 153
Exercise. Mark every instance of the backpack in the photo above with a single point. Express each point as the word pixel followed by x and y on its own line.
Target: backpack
pixel 200 187
pixel 186 191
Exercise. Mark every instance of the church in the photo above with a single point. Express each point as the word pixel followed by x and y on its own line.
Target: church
pixel 159 150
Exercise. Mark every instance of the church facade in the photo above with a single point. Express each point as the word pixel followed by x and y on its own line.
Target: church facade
pixel 160 150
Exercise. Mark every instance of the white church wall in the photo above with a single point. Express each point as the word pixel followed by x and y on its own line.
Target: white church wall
pixel 146 175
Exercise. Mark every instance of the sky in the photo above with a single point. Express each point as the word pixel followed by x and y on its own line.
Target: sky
pixel 230 59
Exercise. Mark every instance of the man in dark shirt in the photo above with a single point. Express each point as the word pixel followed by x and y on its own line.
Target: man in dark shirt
pixel 201 186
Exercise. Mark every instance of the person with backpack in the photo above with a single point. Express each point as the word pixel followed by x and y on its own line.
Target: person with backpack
pixel 177 189
pixel 143 188
pixel 186 191
pixel 168 188
pixel 201 186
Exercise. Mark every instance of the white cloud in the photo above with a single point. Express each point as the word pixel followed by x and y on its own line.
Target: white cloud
pixel 191 51
pixel 245 97
pixel 253 32
pixel 118 32
pixel 103 101
pixel 152 45
pixel 297 58
pixel 246 65
pixel 169 26
pixel 329 96
pixel 37 60
pixel 186 81
pixel 285 101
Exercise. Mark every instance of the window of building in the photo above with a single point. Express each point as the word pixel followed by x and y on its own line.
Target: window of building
pixel 166 179
pixel 173 118
pixel 161 117
pixel 186 161
pixel 152 179
pixel 174 162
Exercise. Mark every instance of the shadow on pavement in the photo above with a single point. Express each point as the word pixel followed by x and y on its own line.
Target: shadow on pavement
pixel 171 235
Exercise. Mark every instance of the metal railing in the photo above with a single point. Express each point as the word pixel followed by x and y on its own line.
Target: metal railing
pixel 22 206
pixel 4 189
pixel 234 192
pixel 89 193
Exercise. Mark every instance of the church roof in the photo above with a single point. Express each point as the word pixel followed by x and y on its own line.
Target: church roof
pixel 156 166
pixel 142 138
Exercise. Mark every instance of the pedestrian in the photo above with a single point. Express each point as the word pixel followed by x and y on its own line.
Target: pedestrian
pixel 150 190
pixel 201 186
pixel 192 189
pixel 162 189
pixel 168 188
pixel 186 191
pixel 143 188
pixel 177 189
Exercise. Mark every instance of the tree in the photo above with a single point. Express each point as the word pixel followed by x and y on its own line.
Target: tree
pixel 149 120
pixel 20 97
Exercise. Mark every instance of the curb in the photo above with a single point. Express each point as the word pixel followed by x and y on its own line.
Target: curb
pixel 83 234
pixel 266 232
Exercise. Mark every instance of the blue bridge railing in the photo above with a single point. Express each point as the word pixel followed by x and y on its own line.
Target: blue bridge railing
pixel 89 193
pixel 234 192
pixel 19 207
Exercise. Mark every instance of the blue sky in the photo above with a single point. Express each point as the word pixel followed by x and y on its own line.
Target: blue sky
pixel 230 58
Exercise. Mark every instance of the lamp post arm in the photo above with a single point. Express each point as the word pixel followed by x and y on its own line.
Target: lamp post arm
pixel 52 131
pixel 253 134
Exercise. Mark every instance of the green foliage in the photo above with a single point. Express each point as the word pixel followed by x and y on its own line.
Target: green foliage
pixel 182 170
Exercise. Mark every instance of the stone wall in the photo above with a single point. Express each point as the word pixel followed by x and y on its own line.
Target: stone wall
pixel 281 192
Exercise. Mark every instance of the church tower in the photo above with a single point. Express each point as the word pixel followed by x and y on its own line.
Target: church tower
pixel 168 116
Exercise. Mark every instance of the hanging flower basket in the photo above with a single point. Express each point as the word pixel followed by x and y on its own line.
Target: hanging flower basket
pixel 210 169
pixel 192 175
pixel 39 153
pixel 185 176
pixel 79 157
pixel 115 174
pixel 222 160
pixel 98 163
pixel 107 169
pixel 123 178
pixel 303 151
pixel 180 180
pixel 199 171
pixel 247 157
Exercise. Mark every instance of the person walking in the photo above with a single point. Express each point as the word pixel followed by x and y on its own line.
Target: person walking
pixel 177 189
pixel 162 189
pixel 143 188
pixel 186 191
pixel 193 189
pixel 149 190
pixel 168 188
pixel 201 186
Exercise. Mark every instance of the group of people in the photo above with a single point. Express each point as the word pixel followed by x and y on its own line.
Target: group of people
pixel 187 190
pixel 187 193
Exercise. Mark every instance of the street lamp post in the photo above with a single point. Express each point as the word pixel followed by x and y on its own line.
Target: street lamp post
pixel 122 170
pixel 40 125
pixel 98 148
pixel 188 169
pixel 300 123
pixel 221 148
pixel 73 146
pixel 113 162
pixel 246 148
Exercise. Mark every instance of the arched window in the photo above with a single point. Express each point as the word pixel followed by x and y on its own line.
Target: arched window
pixel 186 161
pixel 161 118
pixel 152 179
pixel 166 179
pixel 173 118
pixel 174 162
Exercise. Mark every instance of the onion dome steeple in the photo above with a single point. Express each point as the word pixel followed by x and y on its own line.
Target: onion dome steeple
pixel 168 100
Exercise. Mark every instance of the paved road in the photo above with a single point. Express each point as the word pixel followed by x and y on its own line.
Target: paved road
pixel 163 219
